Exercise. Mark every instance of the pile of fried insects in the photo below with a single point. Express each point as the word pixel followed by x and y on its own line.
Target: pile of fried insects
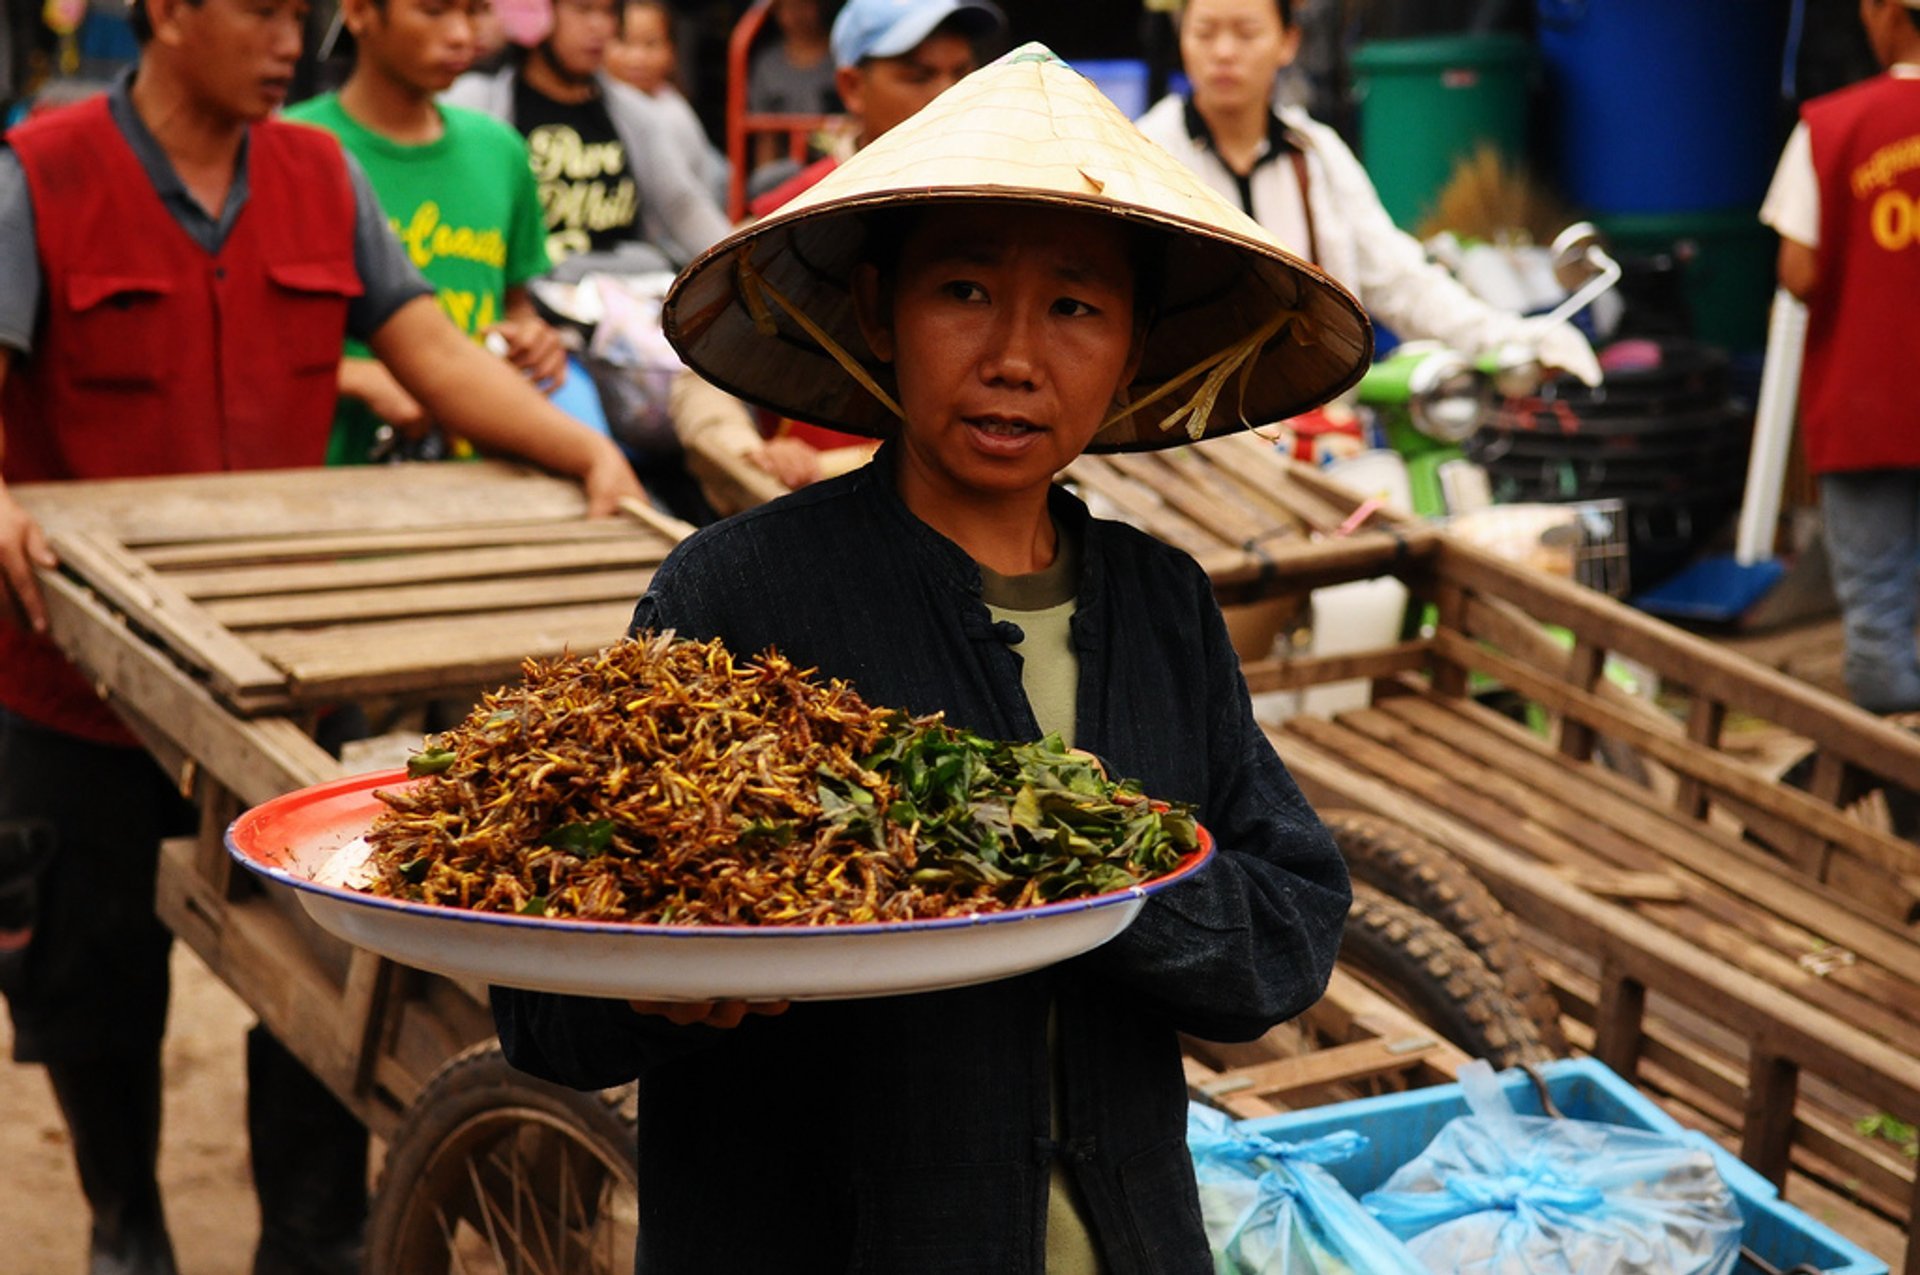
pixel 665 781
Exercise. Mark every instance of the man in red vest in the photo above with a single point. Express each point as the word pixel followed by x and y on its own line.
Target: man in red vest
pixel 177 274
pixel 1846 201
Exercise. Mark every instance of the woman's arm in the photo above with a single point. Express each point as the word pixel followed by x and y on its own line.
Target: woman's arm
pixel 1250 941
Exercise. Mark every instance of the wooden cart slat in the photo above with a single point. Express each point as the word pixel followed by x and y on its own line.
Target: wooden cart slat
pixel 403 602
pixel 188 510
pixel 237 670
pixel 393 656
pixel 437 566
pixel 299 548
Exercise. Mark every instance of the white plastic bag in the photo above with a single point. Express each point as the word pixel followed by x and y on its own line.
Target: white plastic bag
pixel 1500 1194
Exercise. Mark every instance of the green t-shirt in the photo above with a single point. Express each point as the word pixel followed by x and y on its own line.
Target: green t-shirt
pixel 467 212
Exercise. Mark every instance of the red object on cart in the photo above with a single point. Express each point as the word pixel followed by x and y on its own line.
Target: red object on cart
pixel 743 126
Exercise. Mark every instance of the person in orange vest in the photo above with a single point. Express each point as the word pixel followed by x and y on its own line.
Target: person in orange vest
pixel 1846 201
pixel 177 275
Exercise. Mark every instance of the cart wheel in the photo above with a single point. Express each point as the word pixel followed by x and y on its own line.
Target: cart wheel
pixel 1404 865
pixel 1419 963
pixel 494 1171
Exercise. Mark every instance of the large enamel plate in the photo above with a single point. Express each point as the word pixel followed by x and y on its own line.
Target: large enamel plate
pixel 309 840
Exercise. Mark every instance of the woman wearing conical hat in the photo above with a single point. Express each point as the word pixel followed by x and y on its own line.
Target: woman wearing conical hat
pixel 1011 277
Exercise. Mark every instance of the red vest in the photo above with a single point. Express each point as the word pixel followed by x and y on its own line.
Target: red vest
pixel 156 357
pixel 1859 400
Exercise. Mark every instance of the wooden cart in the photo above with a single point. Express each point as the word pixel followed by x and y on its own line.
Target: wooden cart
pixel 224 616
pixel 1743 947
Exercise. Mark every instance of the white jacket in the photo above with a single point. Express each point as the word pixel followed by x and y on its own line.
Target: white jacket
pixel 1358 243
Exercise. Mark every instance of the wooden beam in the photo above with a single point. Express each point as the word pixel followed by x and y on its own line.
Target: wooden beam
pixel 1802 1032
pixel 1855 735
pixel 1766 1133
pixel 1315 670
pixel 1617 1021
pixel 1716 771
pixel 1706 718
pixel 257 760
pixel 1585 665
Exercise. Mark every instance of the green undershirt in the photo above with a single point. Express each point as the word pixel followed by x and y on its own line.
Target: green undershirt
pixel 1042 605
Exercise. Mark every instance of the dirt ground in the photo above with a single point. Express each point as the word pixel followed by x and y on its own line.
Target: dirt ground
pixel 203 1155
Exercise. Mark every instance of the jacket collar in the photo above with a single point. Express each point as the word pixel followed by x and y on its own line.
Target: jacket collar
pixel 878 482
pixel 1280 139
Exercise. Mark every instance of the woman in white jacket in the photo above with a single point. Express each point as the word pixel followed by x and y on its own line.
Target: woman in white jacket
pixel 1298 179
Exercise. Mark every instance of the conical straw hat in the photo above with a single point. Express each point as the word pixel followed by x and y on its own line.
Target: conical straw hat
pixel 1244 333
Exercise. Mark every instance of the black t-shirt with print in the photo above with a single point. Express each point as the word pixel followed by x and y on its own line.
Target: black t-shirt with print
pixel 584 173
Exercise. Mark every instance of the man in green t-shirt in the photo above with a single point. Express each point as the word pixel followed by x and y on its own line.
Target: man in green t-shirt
pixel 458 190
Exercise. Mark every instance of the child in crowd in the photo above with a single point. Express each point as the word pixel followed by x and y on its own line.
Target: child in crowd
pixel 793 74
pixel 645 56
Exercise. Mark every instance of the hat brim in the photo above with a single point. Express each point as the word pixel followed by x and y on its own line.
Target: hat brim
pixel 1219 288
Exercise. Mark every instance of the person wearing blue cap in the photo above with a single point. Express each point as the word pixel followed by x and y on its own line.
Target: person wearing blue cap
pixel 890 58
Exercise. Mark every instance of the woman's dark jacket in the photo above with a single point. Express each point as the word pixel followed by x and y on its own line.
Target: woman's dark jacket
pixel 911 1135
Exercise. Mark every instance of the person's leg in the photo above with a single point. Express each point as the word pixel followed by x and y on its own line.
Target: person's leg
pixel 309 1167
pixel 88 993
pixel 309 1153
pixel 1873 544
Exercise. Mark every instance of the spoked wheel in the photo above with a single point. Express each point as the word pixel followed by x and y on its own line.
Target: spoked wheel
pixel 494 1172
pixel 1416 962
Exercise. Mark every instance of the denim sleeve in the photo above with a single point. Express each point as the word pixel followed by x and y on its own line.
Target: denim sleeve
pixel 1249 942
pixel 19 257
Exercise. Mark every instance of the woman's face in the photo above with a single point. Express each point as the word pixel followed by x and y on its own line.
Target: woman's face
pixel 1011 331
pixel 1232 50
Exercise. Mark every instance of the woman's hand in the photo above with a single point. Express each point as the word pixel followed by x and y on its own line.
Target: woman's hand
pixel 722 1014
pixel 369 381
pixel 23 547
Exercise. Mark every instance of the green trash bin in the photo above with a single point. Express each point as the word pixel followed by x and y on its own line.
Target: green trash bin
pixel 1426 104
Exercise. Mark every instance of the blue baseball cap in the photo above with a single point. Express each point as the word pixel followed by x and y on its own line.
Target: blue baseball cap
pixel 888 28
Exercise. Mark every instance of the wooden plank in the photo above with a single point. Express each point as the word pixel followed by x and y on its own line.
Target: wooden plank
pixel 1219 515
pixel 1766 1136
pixel 258 952
pixel 257 760
pixel 1805 1033
pixel 672 529
pixel 1706 718
pixel 1717 772
pixel 1855 735
pixel 1290 674
pixel 346 544
pixel 159 607
pixel 405 656
pixel 1144 508
pixel 1358 1060
pixel 1617 1020
pixel 353 606
pixel 406 570
pixel 1585 664
pixel 1715 855
pixel 202 507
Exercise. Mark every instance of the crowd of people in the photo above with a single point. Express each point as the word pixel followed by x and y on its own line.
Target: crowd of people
pixel 194 279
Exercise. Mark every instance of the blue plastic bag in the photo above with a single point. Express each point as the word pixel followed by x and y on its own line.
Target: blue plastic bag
pixel 1270 1209
pixel 1500 1194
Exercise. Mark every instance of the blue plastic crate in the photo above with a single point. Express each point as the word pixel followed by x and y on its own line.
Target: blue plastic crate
pixel 1399 1127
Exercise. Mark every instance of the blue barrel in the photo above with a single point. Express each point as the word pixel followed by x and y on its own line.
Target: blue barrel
pixel 1664 106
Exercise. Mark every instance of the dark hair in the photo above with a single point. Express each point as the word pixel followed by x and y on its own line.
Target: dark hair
pixel 660 7
pixel 142 22
pixel 1913 16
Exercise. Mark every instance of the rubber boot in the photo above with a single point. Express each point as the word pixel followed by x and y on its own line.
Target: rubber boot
pixel 309 1167
pixel 112 1106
